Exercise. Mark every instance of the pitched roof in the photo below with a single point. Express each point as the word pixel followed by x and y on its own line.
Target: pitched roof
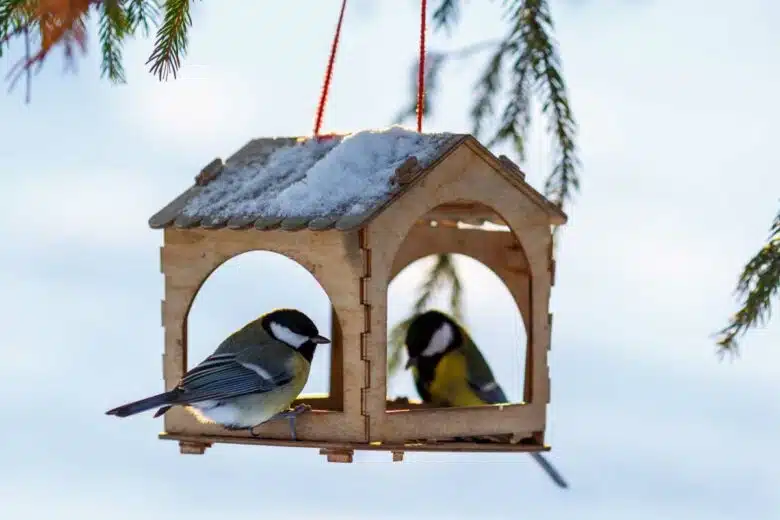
pixel 296 183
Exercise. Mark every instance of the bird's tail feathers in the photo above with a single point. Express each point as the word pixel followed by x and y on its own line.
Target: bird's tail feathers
pixel 160 400
pixel 549 469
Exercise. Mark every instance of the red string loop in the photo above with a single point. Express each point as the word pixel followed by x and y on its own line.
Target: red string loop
pixel 421 70
pixel 332 59
pixel 329 72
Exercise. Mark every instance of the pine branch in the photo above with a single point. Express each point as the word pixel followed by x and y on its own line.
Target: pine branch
pixel 516 118
pixel 15 21
pixel 486 89
pixel 536 69
pixel 142 14
pixel 395 345
pixel 539 58
pixel 113 26
pixel 758 284
pixel 434 65
pixel 446 15
pixel 171 43
pixel 14 15
pixel 456 290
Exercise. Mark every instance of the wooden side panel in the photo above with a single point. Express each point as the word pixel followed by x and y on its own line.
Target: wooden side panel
pixel 334 258
pixel 464 176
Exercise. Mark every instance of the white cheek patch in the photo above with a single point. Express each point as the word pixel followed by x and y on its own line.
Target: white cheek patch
pixel 440 340
pixel 284 334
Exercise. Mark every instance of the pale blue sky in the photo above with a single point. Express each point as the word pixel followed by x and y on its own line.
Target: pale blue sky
pixel 677 107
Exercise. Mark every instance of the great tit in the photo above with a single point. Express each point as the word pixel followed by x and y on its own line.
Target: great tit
pixel 449 370
pixel 252 377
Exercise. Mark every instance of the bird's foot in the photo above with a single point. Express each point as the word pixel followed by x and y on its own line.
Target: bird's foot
pixel 291 415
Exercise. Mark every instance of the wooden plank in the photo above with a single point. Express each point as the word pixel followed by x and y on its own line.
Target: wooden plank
pixel 466 212
pixel 193 448
pixel 437 423
pixel 338 455
pixel 450 446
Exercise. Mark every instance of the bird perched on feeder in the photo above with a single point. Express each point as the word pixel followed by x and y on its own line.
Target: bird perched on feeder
pixel 449 370
pixel 252 377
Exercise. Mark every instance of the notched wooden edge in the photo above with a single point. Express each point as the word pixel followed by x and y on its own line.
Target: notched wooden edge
pixel 406 173
pixel 209 172
pixel 512 165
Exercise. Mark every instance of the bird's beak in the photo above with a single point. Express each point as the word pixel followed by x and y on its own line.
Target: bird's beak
pixel 410 363
pixel 320 339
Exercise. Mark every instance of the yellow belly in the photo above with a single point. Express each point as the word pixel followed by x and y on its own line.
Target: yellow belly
pixel 450 385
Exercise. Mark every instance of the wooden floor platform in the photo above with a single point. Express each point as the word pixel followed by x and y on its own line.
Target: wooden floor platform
pixel 197 444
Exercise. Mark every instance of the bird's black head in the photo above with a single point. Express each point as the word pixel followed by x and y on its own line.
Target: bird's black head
pixel 295 329
pixel 431 335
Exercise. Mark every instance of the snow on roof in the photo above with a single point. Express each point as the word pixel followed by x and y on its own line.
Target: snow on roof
pixel 339 176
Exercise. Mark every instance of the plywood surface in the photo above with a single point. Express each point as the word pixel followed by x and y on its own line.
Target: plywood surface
pixel 464 176
pixel 335 259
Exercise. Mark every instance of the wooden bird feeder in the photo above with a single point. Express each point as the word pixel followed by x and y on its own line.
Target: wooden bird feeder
pixel 354 249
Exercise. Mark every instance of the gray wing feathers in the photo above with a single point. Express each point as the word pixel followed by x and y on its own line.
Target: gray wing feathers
pixel 480 376
pixel 224 375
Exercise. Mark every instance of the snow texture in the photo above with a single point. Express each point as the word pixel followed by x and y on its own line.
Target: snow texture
pixel 345 175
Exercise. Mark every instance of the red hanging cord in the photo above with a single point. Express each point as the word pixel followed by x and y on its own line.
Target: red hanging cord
pixel 421 71
pixel 329 72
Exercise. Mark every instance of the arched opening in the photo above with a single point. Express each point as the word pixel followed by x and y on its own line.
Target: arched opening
pixel 245 287
pixel 490 314
pixel 496 293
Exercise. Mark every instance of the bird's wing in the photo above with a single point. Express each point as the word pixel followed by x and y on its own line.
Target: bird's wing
pixel 232 374
pixel 480 376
